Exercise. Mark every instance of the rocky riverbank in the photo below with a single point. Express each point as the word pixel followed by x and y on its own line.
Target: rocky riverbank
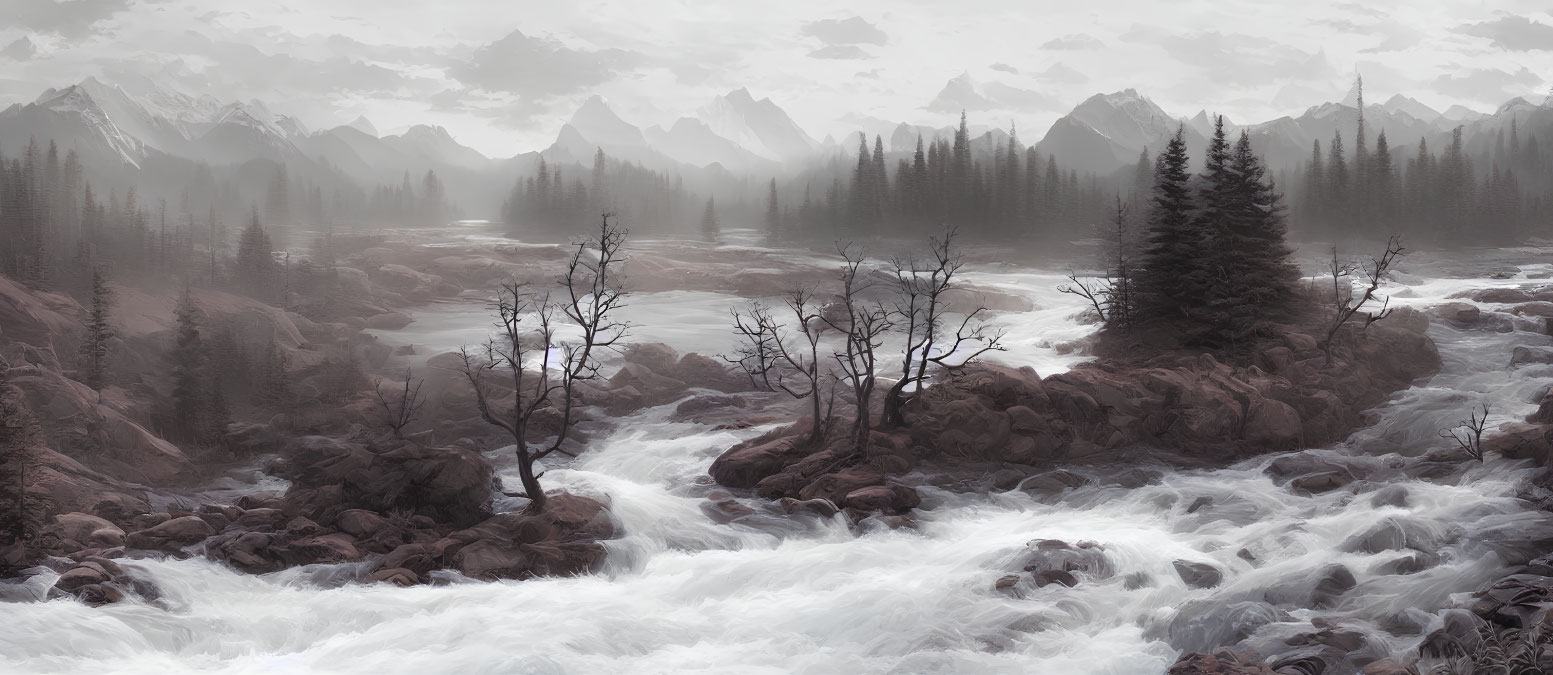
pixel 999 427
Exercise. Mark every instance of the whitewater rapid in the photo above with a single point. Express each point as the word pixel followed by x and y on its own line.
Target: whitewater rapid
pixel 683 593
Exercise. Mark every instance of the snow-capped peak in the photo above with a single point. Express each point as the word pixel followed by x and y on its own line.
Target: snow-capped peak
pixel 78 101
pixel 760 127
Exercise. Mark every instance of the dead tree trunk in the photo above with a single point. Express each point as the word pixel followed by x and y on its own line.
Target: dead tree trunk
pixel 594 291
pixel 1344 306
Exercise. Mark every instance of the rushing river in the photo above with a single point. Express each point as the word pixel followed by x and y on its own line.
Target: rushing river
pixel 682 593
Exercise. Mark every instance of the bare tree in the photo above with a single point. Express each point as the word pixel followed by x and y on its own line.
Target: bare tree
pixel 1468 434
pixel 1111 292
pixel 593 291
pixel 1120 302
pixel 862 325
pixel 1096 290
pixel 767 355
pixel 921 313
pixel 403 410
pixel 1345 304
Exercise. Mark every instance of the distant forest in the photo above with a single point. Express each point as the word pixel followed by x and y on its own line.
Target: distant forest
pixel 1366 189
pixel 1494 190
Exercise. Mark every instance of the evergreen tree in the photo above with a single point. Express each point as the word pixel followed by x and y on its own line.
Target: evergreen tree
pixel 1313 204
pixel 272 388
pixel 256 271
pixel 773 211
pixel 99 331
pixel 1256 279
pixel 187 362
pixel 709 225
pixel 1170 283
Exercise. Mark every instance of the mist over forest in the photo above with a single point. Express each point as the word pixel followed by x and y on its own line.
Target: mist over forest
pixel 666 340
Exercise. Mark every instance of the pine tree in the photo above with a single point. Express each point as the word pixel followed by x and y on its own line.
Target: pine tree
pixel 1337 205
pixel 773 212
pixel 272 388
pixel 709 225
pixel 187 362
pixel 255 260
pixel 1170 284
pixel 1256 279
pixel 99 331
pixel 1312 210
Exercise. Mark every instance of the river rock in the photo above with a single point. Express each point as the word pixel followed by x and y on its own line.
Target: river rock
pixel 890 498
pixel 1197 574
pixel 1221 662
pixel 1053 481
pixel 1398 533
pixel 750 462
pixel 1459 314
pixel 1503 296
pixel 1045 555
pixel 446 484
pixel 171 536
pixel 1200 625
pixel 1515 601
pixel 81 530
pixel 561 541
pixel 1522 355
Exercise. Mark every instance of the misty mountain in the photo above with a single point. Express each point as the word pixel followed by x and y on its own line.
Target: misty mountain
pixel 121 127
pixel 1108 131
pixel 760 126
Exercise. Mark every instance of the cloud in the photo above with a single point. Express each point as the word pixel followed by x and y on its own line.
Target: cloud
pixel 1060 73
pixel 1489 85
pixel 1513 33
pixel 1005 68
pixel 1236 58
pixel 20 50
pixel 540 67
pixel 1073 41
pixel 840 52
pixel 1394 35
pixel 850 31
pixel 67 18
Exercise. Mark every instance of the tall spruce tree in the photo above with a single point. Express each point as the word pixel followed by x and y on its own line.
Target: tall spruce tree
pixel 99 331
pixel 187 361
pixel 709 225
pixel 1170 282
pixel 1258 277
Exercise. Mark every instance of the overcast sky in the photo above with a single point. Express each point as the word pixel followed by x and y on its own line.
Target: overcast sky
pixel 502 75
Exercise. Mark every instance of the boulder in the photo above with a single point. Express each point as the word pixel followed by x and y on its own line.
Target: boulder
pixel 171 536
pixel 1197 574
pixel 1522 355
pixel 1503 296
pixel 1459 314
pixel 750 462
pixel 563 540
pixel 1273 425
pixel 88 531
pixel 890 498
pixel 97 435
pixel 446 484
pixel 708 373
pixel 1221 662
pixel 360 523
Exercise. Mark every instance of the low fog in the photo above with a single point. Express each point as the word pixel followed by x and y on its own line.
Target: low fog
pixel 543 339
